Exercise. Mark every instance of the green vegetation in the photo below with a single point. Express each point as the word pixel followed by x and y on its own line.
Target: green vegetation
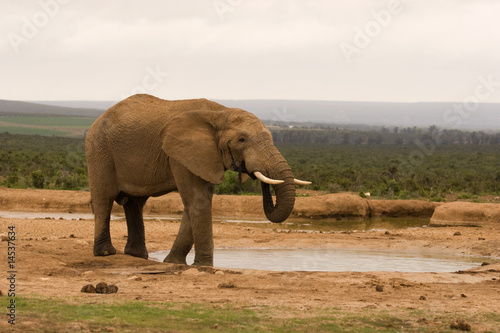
pixel 133 316
pixel 409 163
pixel 42 162
pixel 396 171
pixel 49 121
pixel 32 131
pixel 45 125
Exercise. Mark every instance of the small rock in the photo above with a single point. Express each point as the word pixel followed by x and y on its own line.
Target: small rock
pixel 5 238
pixel 464 295
pixel 423 298
pixel 219 273
pixel 44 238
pixel 460 324
pixel 379 288
pixel 423 321
pixel 458 233
pixel 229 284
pixel 387 233
pixel 216 326
pixel 191 271
pixel 88 288
pixel 485 263
pixel 72 236
pixel 481 238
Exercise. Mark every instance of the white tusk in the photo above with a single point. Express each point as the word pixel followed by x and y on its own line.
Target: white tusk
pixel 301 182
pixel 264 179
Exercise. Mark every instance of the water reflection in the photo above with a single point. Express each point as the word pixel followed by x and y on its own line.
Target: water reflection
pixel 385 223
pixel 290 224
pixel 334 260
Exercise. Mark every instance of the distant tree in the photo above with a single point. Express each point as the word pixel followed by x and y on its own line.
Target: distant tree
pixel 345 138
pixel 38 179
pixel 12 179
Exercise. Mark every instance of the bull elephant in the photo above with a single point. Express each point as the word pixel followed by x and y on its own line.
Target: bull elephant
pixel 145 146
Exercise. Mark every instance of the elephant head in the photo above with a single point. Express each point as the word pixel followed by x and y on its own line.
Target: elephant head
pixel 209 142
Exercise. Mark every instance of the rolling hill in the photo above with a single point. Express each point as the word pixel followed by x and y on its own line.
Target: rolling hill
pixel 442 114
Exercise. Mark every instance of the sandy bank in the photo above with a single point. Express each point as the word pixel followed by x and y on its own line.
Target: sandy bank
pixel 340 205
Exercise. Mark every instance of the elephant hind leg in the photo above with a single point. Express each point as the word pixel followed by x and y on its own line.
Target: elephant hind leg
pixel 183 243
pixel 136 242
pixel 102 237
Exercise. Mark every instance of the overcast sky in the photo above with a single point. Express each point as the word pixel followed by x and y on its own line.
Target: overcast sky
pixel 396 51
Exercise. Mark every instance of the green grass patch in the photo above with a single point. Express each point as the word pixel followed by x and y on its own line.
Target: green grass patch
pixel 134 316
pixel 96 314
pixel 32 131
pixel 77 122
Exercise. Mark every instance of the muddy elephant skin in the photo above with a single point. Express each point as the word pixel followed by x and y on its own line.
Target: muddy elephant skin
pixel 145 146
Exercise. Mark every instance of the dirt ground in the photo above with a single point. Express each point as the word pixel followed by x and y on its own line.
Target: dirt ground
pixel 54 259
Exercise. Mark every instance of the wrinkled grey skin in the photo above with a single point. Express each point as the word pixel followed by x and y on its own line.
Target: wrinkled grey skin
pixel 145 146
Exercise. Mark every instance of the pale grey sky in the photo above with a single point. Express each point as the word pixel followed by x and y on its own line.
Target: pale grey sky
pixel 371 50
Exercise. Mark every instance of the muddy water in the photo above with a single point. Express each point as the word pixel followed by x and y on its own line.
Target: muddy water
pixel 45 215
pixel 290 224
pixel 385 223
pixel 335 260
pixel 307 259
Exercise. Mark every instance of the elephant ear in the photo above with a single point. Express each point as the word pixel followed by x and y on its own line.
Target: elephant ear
pixel 189 138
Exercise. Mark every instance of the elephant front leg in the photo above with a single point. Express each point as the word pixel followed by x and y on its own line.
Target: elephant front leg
pixel 201 223
pixel 196 195
pixel 183 243
pixel 199 208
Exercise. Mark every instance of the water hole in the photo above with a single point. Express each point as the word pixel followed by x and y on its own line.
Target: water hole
pixel 334 260
pixel 383 223
pixel 308 259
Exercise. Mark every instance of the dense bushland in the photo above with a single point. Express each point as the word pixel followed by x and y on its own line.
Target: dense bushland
pixel 396 171
pixel 42 162
pixel 424 165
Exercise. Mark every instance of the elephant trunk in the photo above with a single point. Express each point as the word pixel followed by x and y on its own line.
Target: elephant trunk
pixel 285 192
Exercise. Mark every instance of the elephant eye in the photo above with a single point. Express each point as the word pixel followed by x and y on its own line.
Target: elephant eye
pixel 241 140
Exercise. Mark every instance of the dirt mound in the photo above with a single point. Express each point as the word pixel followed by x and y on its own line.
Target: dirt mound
pixel 44 200
pixel 402 208
pixel 339 205
pixel 465 214
pixel 332 206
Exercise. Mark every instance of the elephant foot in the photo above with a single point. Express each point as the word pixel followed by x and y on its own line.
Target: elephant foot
pixel 173 259
pixel 105 249
pixel 136 251
pixel 203 262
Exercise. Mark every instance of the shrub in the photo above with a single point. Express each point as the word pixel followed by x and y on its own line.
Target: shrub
pixel 38 179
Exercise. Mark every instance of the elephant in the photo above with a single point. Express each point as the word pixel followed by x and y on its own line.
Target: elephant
pixel 145 147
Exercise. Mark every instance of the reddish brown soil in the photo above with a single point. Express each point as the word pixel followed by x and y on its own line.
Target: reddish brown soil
pixel 54 259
